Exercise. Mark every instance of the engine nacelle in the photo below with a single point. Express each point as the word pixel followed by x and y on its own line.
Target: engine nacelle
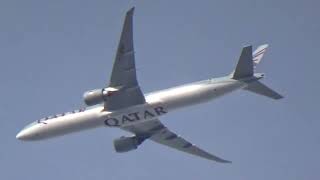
pixel 98 96
pixel 125 144
pixel 94 97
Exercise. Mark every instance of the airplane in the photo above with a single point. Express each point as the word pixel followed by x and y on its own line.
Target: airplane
pixel 123 105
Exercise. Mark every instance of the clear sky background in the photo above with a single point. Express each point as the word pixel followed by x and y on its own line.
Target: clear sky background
pixel 53 51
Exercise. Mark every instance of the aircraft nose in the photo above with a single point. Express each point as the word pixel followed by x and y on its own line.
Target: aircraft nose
pixel 24 135
pixel 21 135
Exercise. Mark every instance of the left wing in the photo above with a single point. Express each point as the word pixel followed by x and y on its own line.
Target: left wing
pixel 123 78
pixel 157 132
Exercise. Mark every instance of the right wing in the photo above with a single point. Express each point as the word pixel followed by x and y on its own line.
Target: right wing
pixel 157 132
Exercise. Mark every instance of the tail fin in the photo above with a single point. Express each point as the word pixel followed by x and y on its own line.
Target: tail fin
pixel 245 69
pixel 261 89
pixel 248 61
pixel 258 54
pixel 245 64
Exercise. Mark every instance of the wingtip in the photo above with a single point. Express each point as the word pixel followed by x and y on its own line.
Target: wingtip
pixel 224 161
pixel 227 162
pixel 220 160
pixel 279 97
pixel 131 11
pixel 246 45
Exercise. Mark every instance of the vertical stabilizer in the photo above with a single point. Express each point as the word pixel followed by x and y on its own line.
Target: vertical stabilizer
pixel 245 64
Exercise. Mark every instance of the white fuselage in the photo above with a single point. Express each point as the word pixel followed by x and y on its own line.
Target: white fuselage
pixel 157 104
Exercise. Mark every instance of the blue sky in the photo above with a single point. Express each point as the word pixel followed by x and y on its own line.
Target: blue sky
pixel 53 51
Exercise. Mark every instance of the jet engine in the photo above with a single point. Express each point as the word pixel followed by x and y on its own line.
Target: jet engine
pixel 95 96
pixel 98 96
pixel 125 144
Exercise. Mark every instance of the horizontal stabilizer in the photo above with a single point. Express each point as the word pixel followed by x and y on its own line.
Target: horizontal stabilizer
pixel 261 89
